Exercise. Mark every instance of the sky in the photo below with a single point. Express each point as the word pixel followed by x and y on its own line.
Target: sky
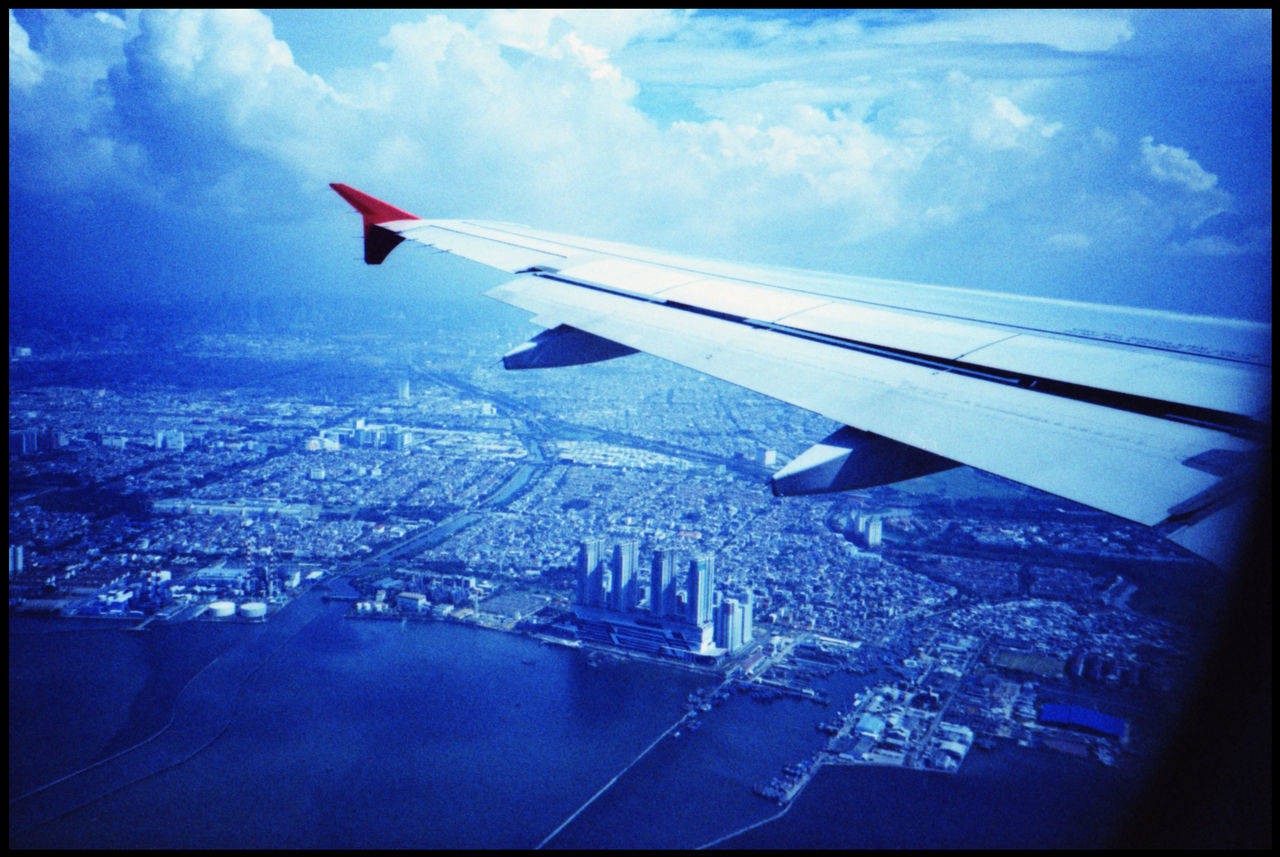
pixel 1101 156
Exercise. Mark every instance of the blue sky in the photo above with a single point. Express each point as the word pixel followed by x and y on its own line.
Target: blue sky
pixel 1119 157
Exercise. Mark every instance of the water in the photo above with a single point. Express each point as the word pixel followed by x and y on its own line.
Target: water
pixel 80 691
pixel 696 788
pixel 347 725
pixel 318 731
pixel 1010 798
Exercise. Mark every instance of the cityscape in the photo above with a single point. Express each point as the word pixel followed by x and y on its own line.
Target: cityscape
pixel 589 429
pixel 624 517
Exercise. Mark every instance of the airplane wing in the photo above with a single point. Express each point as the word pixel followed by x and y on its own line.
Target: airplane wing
pixel 1156 417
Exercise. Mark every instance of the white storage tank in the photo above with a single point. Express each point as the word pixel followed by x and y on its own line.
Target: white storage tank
pixel 253 609
pixel 222 609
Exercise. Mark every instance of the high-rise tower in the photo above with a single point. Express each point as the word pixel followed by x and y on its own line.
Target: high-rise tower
pixel 622 597
pixel 590 573
pixel 730 625
pixel 702 572
pixel 662 583
pixel 870 529
pixel 874 529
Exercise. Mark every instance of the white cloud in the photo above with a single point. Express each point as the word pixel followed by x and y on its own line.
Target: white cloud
pixel 1000 125
pixel 1190 193
pixel 1209 245
pixel 537 30
pixel 25 67
pixel 61 126
pixel 111 20
pixel 829 129
pixel 1070 241
pixel 1066 30
pixel 1254 241
pixel 1105 139
pixel 729 50
pixel 1176 166
pixel 554 137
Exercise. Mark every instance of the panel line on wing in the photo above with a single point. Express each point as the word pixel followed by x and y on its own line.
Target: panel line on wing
pixel 409 231
pixel 978 348
pixel 676 263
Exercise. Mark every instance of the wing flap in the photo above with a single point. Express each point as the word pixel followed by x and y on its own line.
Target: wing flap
pixel 915 332
pixel 625 275
pixel 1232 388
pixel 742 299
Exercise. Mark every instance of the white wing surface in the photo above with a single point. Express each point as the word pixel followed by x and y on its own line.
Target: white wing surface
pixel 1156 417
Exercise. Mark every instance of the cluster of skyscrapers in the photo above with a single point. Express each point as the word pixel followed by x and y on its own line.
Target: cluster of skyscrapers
pixel 171 439
pixel 869 529
pixel 609 589
pixel 361 433
pixel 28 441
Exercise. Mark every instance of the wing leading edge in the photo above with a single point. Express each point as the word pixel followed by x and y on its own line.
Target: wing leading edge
pixel 1100 405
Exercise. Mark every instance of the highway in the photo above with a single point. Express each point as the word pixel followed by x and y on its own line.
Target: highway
pixel 542 428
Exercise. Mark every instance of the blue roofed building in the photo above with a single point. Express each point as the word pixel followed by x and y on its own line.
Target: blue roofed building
pixel 870 726
pixel 1079 717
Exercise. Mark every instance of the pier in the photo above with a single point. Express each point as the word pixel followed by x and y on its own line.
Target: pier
pixel 552 835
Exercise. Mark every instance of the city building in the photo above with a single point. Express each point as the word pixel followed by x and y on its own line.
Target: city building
pixel 608 616
pixel 720 624
pixel 870 528
pixel 221 575
pixel 636 631
pixel 701 585
pixel 729 624
pixel 1084 719
pixel 622 597
pixel 662 584
pixel 591 587
pixel 412 602
pixel 27 441
pixel 237 507
pixel 171 439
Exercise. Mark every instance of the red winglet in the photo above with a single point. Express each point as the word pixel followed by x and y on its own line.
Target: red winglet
pixel 378 242
pixel 373 211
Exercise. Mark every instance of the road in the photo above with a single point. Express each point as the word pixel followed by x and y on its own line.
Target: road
pixel 542 428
